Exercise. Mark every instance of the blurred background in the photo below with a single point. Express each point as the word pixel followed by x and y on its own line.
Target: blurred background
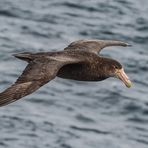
pixel 72 114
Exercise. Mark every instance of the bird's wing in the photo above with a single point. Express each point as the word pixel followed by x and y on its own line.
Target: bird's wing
pixel 36 74
pixel 94 46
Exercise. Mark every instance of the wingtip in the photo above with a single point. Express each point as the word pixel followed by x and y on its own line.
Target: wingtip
pixel 115 43
pixel 128 45
pixel 125 44
pixel 26 56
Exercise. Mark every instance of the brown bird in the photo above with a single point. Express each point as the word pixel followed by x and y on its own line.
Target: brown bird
pixel 79 61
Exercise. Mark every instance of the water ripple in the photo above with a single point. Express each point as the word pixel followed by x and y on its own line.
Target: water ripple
pixel 89 130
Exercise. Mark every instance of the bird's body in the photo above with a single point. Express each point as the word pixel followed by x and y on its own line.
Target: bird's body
pixel 85 71
pixel 79 61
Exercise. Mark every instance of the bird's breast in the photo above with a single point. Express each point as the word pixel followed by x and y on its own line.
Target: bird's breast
pixel 81 72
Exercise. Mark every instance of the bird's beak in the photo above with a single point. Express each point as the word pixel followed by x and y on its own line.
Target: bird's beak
pixel 123 77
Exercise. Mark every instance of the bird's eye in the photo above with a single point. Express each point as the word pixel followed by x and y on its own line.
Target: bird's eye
pixel 116 67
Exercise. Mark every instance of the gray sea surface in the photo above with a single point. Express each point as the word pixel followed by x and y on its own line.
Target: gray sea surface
pixel 72 114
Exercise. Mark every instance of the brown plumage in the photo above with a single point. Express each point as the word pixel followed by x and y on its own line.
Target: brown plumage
pixel 79 61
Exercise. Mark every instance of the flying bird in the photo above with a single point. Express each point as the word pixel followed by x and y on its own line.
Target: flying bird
pixel 78 61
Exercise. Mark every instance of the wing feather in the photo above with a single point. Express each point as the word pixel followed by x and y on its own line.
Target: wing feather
pixel 36 74
pixel 94 46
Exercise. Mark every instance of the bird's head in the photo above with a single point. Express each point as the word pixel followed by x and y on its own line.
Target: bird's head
pixel 114 69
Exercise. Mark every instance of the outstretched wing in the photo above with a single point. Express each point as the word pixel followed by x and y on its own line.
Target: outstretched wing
pixel 36 74
pixel 94 46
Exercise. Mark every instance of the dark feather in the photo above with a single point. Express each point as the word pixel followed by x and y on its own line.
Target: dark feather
pixel 94 46
pixel 36 74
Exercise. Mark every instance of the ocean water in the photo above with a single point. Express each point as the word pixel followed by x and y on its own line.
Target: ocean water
pixel 72 114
